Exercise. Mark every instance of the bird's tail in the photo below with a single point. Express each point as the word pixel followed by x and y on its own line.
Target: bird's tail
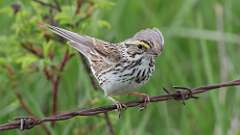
pixel 83 44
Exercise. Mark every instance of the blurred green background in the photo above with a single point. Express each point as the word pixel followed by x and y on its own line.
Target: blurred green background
pixel 202 46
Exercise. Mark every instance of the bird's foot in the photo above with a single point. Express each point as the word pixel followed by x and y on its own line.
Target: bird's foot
pixel 120 107
pixel 146 99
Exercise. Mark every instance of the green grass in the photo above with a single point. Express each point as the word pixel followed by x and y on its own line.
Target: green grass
pixel 191 58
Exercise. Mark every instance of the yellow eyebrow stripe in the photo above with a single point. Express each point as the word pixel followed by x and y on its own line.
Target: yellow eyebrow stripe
pixel 144 44
pixel 136 42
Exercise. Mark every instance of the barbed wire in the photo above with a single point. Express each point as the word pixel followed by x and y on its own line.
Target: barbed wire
pixel 180 94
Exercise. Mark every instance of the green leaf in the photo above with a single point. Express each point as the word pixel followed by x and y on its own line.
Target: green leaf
pixel 6 10
pixel 26 60
pixel 2 61
pixel 43 62
pixel 66 15
pixel 104 4
pixel 104 24
pixel 46 48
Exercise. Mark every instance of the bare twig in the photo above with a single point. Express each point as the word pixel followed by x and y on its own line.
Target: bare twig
pixel 23 103
pixel 57 5
pixel 47 73
pixel 56 81
pixel 78 6
pixel 34 50
pixel 30 122
pixel 89 13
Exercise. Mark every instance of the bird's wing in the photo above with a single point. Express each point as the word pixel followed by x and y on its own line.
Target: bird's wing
pixel 104 57
pixel 100 54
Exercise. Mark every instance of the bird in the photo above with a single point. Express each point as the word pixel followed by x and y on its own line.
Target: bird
pixel 119 68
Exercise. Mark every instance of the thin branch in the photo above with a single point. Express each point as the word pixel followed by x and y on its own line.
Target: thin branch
pixel 55 82
pixel 89 13
pixel 34 50
pixel 78 6
pixel 30 122
pixel 47 73
pixel 57 5
pixel 23 103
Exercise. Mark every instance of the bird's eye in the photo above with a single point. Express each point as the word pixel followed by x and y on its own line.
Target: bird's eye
pixel 140 46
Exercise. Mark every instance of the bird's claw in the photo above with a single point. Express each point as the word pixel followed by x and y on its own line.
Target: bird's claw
pixel 143 105
pixel 120 107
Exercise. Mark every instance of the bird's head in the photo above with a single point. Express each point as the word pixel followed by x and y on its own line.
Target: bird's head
pixel 148 42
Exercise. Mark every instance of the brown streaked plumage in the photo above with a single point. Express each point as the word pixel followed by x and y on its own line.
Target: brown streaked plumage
pixel 118 67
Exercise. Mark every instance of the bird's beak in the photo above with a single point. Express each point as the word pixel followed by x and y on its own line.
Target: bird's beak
pixel 152 52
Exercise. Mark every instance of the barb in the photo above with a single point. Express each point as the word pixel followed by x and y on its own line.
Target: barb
pixel 27 109
pixel 30 122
